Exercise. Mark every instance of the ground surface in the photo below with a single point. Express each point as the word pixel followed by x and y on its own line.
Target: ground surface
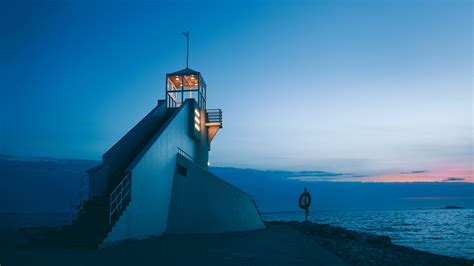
pixel 281 243
pixel 278 244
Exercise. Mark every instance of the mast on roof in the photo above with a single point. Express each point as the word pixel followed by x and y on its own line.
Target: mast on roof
pixel 185 84
pixel 186 35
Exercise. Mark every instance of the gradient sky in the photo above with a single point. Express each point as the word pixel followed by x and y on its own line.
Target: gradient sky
pixel 380 90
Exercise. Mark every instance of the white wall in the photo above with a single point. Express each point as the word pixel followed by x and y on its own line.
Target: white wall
pixel 152 180
pixel 203 203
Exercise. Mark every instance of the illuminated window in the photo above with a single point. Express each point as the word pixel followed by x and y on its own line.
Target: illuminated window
pixel 197 120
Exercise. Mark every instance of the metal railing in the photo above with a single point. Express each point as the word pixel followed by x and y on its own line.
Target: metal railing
pixel 119 195
pixel 171 103
pixel 214 116
pixel 185 155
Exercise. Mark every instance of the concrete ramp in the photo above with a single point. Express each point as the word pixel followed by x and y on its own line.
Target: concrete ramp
pixel 203 203
pixel 115 161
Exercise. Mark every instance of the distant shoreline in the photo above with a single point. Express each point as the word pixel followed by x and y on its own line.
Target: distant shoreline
pixel 368 210
pixel 285 211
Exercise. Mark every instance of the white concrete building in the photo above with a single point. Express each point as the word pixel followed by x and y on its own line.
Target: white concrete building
pixel 155 180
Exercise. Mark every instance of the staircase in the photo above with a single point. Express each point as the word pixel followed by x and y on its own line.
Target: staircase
pixel 94 221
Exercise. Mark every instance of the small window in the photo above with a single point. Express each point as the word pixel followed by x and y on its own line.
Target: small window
pixel 182 170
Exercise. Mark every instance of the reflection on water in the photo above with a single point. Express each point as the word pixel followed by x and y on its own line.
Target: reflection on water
pixel 445 231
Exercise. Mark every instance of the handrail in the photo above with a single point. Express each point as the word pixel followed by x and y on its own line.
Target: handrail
pixel 185 154
pixel 171 102
pixel 118 195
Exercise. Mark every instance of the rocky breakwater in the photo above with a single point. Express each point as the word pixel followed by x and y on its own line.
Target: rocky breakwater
pixel 359 248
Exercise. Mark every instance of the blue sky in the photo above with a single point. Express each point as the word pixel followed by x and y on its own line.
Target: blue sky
pixel 370 87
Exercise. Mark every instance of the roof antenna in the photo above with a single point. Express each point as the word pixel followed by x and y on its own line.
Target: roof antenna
pixel 186 35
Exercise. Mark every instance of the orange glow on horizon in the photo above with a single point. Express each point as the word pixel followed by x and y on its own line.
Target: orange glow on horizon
pixel 451 173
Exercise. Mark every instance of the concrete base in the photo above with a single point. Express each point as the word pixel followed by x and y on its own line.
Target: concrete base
pixel 203 203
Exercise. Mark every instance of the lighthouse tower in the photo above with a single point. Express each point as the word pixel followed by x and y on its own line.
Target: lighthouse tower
pixel 155 179
pixel 185 85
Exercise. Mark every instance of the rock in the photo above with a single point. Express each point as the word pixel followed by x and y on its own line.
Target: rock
pixel 452 207
pixel 379 240
pixel 358 248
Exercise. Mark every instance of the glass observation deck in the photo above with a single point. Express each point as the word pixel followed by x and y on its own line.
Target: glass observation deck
pixel 185 84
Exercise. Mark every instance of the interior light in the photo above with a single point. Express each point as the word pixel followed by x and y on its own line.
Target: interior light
pixel 196 112
pixel 177 78
pixel 195 84
pixel 192 77
pixel 196 126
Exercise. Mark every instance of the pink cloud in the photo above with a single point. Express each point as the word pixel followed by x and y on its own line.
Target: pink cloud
pixel 447 173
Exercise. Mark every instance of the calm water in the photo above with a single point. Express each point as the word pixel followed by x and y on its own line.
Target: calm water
pixel 445 231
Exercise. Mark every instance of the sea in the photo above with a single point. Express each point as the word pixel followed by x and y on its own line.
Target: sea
pixel 447 232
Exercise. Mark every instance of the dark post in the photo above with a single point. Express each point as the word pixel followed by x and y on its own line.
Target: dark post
pixel 182 90
pixel 304 202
